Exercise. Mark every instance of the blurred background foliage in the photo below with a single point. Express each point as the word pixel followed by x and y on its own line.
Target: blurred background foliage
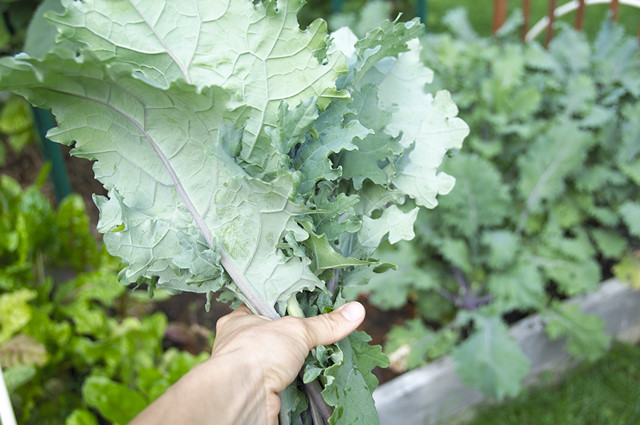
pixel 76 346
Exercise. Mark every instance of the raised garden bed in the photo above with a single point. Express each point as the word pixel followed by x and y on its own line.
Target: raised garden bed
pixel 434 393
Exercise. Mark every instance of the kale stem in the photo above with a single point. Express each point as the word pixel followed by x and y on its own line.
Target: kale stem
pixel 293 307
pixel 255 303
pixel 253 300
pixel 320 410
pixel 332 284
pixel 461 280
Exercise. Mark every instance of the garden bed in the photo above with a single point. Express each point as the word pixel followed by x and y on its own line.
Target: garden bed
pixel 435 393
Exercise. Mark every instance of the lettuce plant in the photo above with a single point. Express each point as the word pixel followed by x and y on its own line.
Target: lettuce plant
pixel 245 155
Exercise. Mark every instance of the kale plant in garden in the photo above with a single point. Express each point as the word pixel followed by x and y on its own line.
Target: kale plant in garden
pixel 546 203
pixel 245 155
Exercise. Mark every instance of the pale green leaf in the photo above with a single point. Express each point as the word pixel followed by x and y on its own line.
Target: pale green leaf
pixel 597 177
pixel 170 40
pixel 335 134
pixel 157 178
pixel 422 343
pixel 371 161
pixel 41 35
pixel 569 262
pixel 490 360
pixel 368 18
pixel 616 58
pixel 630 212
pixel 428 125
pixel 386 41
pixel 291 129
pixel 503 247
pixel 339 214
pixel 391 290
pixel 552 158
pixel 251 217
pixel 508 67
pixel 350 383
pixel 572 51
pixel 522 286
pixel 479 199
pixel 628 153
pixel 610 243
pixel 584 333
pixel 395 223
pixel 153 181
pixel 580 95
pixel 456 251
pixel 325 256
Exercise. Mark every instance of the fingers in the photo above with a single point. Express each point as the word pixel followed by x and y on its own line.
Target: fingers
pixel 328 328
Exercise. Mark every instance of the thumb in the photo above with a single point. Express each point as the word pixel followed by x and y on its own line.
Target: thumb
pixel 328 328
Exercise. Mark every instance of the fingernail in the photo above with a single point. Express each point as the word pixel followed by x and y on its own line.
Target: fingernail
pixel 352 311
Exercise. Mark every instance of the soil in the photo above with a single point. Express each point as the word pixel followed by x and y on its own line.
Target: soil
pixel 26 165
pixel 190 325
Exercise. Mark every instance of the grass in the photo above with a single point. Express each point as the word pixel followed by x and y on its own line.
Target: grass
pixel 481 14
pixel 603 393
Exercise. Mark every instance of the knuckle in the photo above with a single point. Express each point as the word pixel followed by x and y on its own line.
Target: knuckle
pixel 329 324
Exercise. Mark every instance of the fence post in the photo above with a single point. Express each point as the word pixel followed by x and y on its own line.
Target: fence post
pixel 422 10
pixel 7 417
pixel 526 13
pixel 613 6
pixel 580 15
pixel 43 121
pixel 552 19
pixel 499 14
pixel 336 5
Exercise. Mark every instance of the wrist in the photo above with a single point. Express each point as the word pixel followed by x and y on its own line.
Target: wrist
pixel 233 390
pixel 216 392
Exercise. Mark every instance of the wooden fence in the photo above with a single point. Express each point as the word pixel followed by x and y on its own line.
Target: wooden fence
pixel 554 12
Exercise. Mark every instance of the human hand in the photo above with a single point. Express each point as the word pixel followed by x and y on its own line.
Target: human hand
pixel 275 350
pixel 253 359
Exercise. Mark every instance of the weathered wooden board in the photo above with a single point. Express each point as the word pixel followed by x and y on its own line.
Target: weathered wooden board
pixel 434 393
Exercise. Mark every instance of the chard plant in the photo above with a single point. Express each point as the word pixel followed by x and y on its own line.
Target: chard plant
pixel 72 350
pixel 246 156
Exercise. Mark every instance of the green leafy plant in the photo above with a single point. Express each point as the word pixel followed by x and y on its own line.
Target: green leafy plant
pixel 245 155
pixel 545 200
pixel 16 120
pixel 68 348
pixel 16 124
